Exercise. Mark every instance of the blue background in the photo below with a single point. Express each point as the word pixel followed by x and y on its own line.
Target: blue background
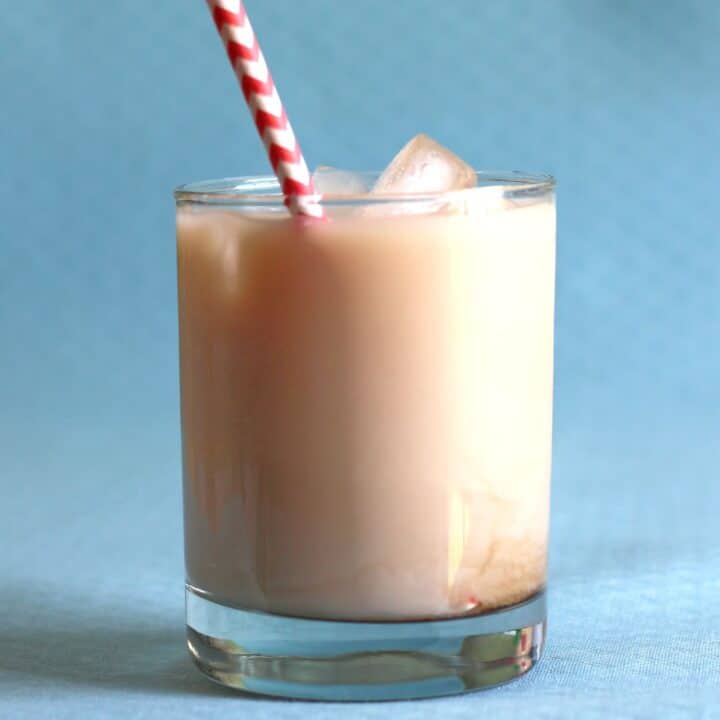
pixel 107 106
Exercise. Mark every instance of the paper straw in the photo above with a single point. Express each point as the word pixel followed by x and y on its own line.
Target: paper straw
pixel 266 107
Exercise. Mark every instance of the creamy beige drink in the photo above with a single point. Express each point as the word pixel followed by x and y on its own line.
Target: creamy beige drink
pixel 366 405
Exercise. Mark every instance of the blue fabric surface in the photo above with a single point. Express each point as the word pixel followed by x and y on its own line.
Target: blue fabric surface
pixel 92 584
pixel 106 107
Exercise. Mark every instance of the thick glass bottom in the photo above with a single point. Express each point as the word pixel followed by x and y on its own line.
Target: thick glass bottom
pixel 326 660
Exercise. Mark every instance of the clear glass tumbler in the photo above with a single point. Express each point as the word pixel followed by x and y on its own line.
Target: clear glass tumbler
pixel 366 425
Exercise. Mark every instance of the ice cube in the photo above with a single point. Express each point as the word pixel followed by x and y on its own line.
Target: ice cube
pixel 424 165
pixel 331 181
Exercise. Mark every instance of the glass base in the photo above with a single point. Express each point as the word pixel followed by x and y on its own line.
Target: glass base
pixel 327 660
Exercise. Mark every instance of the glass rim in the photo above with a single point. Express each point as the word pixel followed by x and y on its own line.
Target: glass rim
pixel 264 190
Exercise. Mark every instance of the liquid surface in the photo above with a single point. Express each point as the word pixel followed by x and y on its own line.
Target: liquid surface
pixel 366 409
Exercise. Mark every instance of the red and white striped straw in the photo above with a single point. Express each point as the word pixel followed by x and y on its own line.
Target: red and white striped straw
pixel 266 107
